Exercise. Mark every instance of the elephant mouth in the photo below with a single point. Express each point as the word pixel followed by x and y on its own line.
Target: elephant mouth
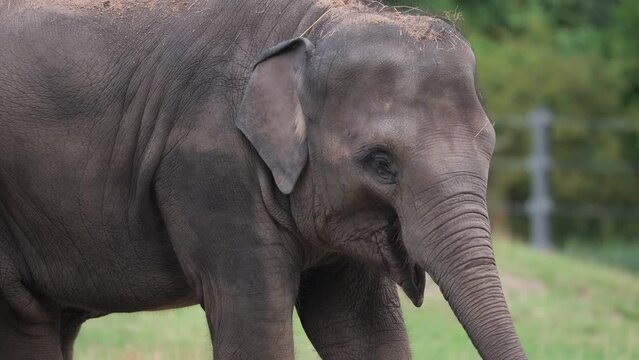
pixel 401 268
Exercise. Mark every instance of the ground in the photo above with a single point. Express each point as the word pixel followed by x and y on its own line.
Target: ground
pixel 563 308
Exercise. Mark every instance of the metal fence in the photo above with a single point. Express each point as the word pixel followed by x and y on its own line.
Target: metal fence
pixel 541 131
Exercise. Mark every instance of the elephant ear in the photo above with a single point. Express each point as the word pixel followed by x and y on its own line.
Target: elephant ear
pixel 270 114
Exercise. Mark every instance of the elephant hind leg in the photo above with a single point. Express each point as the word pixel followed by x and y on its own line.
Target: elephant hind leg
pixel 70 322
pixel 28 329
pixel 28 336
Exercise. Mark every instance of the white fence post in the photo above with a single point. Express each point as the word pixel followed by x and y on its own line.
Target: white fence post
pixel 539 205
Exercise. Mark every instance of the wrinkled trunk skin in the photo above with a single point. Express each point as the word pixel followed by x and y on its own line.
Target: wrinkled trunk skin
pixel 452 242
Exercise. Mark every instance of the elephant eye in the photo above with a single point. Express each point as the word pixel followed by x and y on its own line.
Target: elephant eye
pixel 380 163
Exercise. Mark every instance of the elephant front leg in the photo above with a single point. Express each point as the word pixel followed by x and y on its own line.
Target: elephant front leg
pixel 239 268
pixel 351 312
pixel 249 307
pixel 243 269
pixel 248 293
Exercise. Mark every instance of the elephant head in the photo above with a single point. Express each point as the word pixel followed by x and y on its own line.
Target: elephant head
pixel 378 137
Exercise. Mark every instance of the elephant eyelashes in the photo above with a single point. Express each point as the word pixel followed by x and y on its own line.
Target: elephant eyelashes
pixel 379 162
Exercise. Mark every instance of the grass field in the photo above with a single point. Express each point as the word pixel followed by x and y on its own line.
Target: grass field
pixel 563 309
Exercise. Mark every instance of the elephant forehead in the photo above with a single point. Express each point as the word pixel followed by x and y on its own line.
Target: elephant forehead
pixel 401 101
pixel 375 79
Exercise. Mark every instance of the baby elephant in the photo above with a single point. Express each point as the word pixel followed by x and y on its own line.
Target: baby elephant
pixel 253 157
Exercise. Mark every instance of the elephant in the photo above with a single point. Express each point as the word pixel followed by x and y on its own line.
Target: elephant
pixel 252 157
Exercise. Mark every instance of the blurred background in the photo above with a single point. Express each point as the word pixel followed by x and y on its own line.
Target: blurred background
pixel 560 81
pixel 578 60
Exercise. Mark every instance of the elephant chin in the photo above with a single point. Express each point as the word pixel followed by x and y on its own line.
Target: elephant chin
pixel 413 283
pixel 402 269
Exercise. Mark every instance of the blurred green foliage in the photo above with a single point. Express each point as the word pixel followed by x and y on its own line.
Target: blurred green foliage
pixel 580 58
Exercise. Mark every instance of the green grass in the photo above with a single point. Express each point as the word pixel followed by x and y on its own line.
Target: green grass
pixel 564 308
pixel 621 254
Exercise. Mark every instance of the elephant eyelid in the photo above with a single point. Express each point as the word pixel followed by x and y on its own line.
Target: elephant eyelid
pixel 368 150
pixel 379 162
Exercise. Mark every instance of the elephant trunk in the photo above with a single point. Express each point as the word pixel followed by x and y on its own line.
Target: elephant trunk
pixel 452 242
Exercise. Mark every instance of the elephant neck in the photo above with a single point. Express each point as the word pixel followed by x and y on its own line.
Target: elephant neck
pixel 276 203
pixel 278 206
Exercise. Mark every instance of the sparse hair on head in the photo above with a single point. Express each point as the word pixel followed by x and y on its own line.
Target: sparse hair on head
pixel 416 23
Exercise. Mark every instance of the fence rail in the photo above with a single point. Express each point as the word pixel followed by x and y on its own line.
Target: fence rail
pixel 539 164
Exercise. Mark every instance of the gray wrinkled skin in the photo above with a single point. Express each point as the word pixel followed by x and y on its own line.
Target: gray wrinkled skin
pixel 174 153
